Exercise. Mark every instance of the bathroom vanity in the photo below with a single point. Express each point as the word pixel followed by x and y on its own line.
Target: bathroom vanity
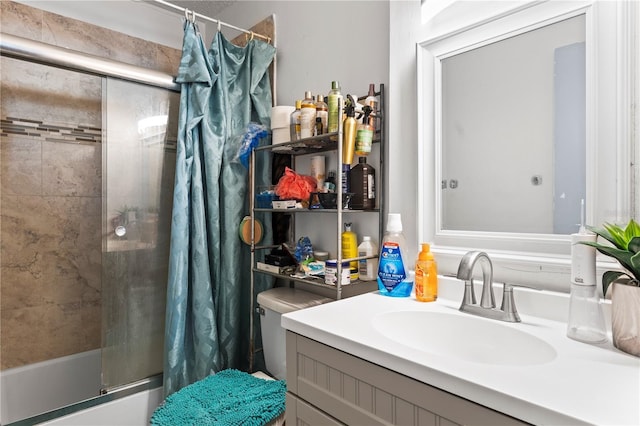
pixel 372 359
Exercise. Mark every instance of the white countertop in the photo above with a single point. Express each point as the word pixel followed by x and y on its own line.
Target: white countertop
pixel 583 384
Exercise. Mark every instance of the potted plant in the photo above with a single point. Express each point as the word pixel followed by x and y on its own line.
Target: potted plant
pixel 625 297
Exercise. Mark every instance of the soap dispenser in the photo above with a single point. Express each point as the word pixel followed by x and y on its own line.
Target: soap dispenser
pixel 586 320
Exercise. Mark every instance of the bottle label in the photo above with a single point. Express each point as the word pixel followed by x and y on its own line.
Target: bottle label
pixel 364 139
pixel 391 269
pixel 334 113
pixel 371 187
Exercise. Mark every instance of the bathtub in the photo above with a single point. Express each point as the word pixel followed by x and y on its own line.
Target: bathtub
pixel 44 386
pixel 132 410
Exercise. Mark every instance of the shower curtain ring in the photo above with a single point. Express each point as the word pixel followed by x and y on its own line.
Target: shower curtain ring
pixel 219 25
pixel 190 16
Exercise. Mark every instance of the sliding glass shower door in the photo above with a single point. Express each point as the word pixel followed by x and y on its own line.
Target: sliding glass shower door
pixel 139 140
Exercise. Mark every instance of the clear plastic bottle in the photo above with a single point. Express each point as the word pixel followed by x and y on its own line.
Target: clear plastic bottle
pixel 426 276
pixel 368 268
pixel 294 123
pixel 350 249
pixel 333 107
pixel 307 116
pixel 394 277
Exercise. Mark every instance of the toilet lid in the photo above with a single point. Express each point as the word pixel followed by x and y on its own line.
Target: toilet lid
pixel 285 299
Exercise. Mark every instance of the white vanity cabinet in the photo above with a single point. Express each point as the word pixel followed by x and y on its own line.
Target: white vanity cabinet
pixel 326 386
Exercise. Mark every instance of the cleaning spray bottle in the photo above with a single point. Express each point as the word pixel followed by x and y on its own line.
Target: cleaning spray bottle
pixel 426 276
pixel 586 319
pixel 350 249
pixel 364 134
pixel 394 277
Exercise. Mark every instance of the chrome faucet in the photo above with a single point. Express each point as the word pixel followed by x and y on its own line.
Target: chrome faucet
pixel 487 306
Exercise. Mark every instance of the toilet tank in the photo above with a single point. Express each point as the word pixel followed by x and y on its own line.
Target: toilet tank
pixel 274 303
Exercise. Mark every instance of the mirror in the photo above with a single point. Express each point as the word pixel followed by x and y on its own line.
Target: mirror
pixel 513 133
pixel 529 110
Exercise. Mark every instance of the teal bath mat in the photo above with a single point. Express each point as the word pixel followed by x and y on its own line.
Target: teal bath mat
pixel 230 397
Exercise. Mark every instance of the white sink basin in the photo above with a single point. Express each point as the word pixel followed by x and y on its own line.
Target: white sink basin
pixel 464 337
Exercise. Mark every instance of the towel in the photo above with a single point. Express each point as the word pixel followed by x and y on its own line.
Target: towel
pixel 230 397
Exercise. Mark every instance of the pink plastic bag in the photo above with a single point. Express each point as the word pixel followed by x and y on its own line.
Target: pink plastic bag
pixel 294 186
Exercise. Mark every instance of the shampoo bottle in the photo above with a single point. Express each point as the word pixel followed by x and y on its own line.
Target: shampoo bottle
pixel 294 126
pixel 307 116
pixel 333 108
pixel 350 249
pixel 368 268
pixel 394 277
pixel 426 276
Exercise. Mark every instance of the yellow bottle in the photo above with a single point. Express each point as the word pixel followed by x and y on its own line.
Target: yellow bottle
pixel 349 132
pixel 350 250
pixel 426 276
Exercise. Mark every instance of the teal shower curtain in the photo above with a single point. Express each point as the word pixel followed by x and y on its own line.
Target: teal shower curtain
pixel 207 316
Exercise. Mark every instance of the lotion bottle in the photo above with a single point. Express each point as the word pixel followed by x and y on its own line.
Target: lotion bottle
pixel 426 276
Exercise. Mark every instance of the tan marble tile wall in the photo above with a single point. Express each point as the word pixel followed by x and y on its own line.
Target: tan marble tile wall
pixel 51 180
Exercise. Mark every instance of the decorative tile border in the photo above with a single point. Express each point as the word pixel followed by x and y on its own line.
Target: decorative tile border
pixel 53 132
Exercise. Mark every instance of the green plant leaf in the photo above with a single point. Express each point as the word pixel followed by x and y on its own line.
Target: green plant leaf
pixel 632 230
pixel 602 232
pixel 634 245
pixel 608 278
pixel 635 265
pixel 618 235
pixel 622 256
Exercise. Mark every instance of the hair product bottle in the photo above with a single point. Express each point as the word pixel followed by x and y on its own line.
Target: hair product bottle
pixel 362 183
pixel 426 276
pixel 364 134
pixel 349 136
pixel 367 268
pixel 372 102
pixel 350 249
pixel 333 108
pixel 322 113
pixel 307 116
pixel 294 127
pixel 394 278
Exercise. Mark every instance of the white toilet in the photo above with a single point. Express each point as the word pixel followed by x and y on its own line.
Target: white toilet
pixel 274 303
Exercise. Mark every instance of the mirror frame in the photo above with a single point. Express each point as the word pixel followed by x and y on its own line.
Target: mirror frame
pixel 540 260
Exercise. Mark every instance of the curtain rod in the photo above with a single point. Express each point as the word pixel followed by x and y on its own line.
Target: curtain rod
pixel 190 13
pixel 43 53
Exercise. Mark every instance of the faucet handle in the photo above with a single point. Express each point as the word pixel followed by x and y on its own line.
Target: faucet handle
pixel 509 304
